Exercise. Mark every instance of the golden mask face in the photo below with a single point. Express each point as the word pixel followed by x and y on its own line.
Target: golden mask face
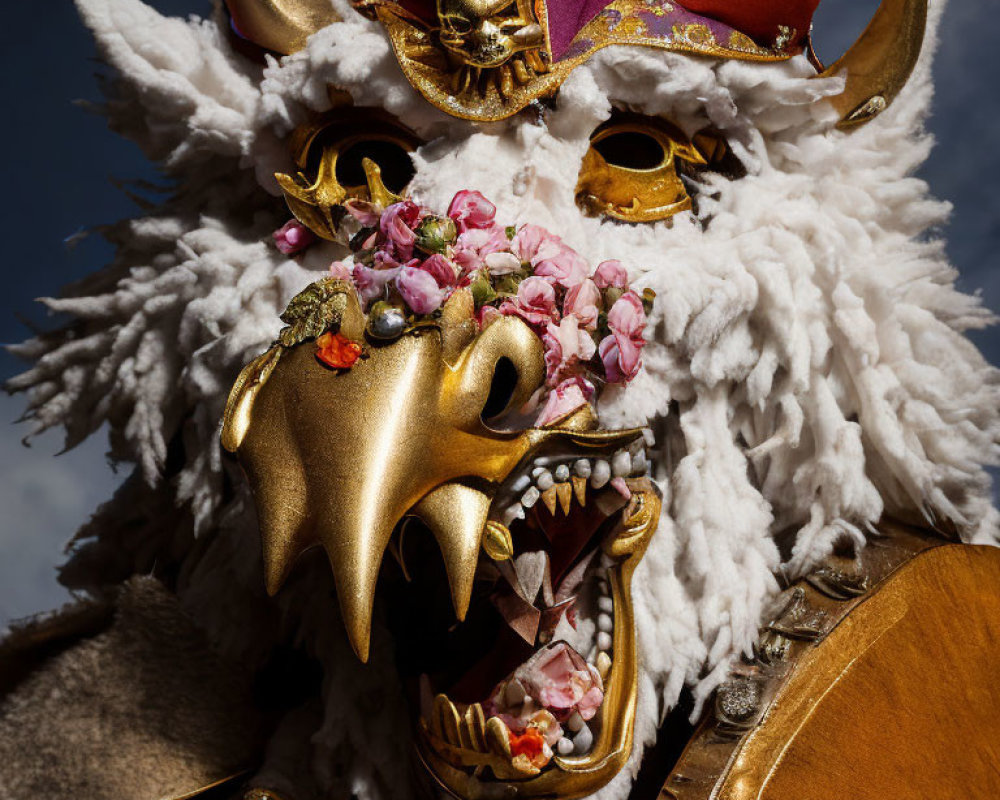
pixel 632 171
pixel 419 450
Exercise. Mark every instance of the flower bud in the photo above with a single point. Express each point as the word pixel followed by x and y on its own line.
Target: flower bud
pixel 435 234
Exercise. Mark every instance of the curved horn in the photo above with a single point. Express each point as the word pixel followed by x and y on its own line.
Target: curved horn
pixel 281 25
pixel 880 62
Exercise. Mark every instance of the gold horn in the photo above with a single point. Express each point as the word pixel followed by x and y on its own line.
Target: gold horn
pixel 281 25
pixel 880 62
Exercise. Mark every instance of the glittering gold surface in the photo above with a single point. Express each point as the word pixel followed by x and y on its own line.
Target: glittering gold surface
pixel 338 458
pixel 873 680
pixel 878 65
pixel 444 78
pixel 631 194
pixel 314 194
pixel 281 25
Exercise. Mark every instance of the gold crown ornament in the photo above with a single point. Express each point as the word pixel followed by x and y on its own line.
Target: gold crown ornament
pixel 488 59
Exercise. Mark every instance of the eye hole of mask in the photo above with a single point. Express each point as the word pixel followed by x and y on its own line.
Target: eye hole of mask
pixel 634 167
pixel 349 154
pixel 392 157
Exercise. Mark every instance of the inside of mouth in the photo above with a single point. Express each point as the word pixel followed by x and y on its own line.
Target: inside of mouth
pixel 536 647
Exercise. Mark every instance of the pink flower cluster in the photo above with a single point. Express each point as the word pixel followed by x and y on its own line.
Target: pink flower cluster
pixel 591 324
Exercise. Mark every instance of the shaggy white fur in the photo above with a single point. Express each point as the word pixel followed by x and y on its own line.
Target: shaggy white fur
pixel 806 350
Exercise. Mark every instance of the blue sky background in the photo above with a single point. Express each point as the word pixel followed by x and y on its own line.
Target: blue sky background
pixel 63 170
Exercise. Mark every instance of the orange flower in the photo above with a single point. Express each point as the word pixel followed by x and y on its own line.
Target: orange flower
pixel 337 351
pixel 530 744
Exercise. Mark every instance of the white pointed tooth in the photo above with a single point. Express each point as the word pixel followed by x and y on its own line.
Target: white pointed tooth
pixel 583 740
pixel 530 497
pixel 605 623
pixel 562 473
pixel 603 588
pixel 537 471
pixel 601 474
pixel 606 604
pixel 603 665
pixel 514 693
pixel 621 463
pixel 604 641
pixel 513 512
pixel 649 437
pixel 582 468
pixel 575 722
pixel 639 463
pixel 522 483
pixel 544 480
pixel 565 746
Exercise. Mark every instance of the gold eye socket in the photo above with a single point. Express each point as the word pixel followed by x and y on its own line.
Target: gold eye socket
pixel 632 171
pixel 350 154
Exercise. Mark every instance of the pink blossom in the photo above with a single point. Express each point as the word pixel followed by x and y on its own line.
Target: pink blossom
pixel 486 315
pixel 611 274
pixel 397 223
pixel 566 397
pixel 549 256
pixel 364 212
pixel 338 269
pixel 535 302
pixel 583 301
pixel 293 237
pixel 567 347
pixel 529 240
pixel 420 290
pixel 471 210
pixel 622 351
pixel 562 682
pixel 371 283
pixel 472 246
pixel 441 269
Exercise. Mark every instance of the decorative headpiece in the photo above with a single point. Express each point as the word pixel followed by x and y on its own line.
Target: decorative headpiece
pixel 488 59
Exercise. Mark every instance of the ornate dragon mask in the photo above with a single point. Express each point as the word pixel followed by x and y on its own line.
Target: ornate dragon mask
pixel 465 421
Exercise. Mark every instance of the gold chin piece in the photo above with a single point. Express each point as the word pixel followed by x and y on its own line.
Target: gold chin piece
pixel 879 64
pixel 282 26
pixel 632 170
pixel 350 154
